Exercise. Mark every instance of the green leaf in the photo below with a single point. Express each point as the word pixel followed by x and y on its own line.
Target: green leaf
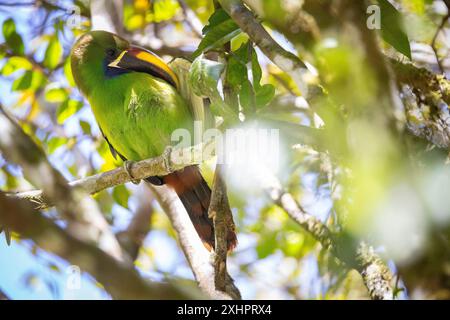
pixel 68 72
pixel 237 66
pixel 416 6
pixel 16 43
pixel 164 10
pixel 216 18
pixel 29 80
pixel 2 52
pixel 68 108
pixel 54 143
pixel 54 267
pixel 220 30
pixel 12 38
pixel 53 54
pixel 120 195
pixel 38 80
pixel 9 27
pixel 16 63
pixel 203 77
pixel 265 93
pixel 56 95
pixel 236 72
pixel 23 82
pixel 392 28
pixel 85 126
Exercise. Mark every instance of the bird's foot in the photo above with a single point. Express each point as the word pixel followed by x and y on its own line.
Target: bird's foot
pixel 166 158
pixel 127 167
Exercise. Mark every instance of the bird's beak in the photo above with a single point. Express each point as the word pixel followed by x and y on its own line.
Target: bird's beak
pixel 141 60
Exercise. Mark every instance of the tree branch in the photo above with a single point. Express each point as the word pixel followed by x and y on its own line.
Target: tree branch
pixel 435 88
pixel 432 87
pixel 426 97
pixel 199 259
pixel 285 60
pixel 158 166
pixel 120 279
pixel 197 256
pixel 82 213
pixel 375 274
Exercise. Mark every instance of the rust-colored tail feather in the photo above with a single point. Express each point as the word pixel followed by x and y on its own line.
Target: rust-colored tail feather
pixel 195 195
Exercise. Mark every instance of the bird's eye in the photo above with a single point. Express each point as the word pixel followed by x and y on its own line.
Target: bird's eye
pixel 111 53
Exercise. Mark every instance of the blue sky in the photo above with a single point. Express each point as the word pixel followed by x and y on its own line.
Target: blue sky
pixel 24 276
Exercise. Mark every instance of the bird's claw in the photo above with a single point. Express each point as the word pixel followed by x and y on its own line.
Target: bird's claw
pixel 127 167
pixel 166 158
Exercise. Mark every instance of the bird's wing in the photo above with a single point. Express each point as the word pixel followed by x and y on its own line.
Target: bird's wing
pixel 153 180
pixel 114 152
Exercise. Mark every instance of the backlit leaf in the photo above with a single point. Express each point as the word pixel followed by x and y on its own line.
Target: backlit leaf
pixel 56 95
pixel 85 126
pixel 120 195
pixel 220 30
pixel 264 95
pixel 392 28
pixel 14 64
pixel 53 54
pixel 67 109
pixel 12 38
pixel 23 82
pixel 54 143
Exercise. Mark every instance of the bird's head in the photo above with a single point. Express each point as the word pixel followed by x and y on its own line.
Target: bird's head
pixel 100 55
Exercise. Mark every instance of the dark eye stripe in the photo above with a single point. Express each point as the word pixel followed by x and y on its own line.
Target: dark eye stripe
pixel 111 52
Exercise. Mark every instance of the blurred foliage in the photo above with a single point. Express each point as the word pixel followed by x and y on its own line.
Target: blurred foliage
pixel 383 186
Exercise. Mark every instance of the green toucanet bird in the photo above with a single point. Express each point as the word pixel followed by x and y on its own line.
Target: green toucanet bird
pixel 133 95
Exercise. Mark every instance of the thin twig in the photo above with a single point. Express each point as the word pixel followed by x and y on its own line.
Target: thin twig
pixel 191 19
pixel 375 274
pixel 433 42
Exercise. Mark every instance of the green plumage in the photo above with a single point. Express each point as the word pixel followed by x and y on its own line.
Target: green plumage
pixel 133 95
pixel 136 111
pixel 139 118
